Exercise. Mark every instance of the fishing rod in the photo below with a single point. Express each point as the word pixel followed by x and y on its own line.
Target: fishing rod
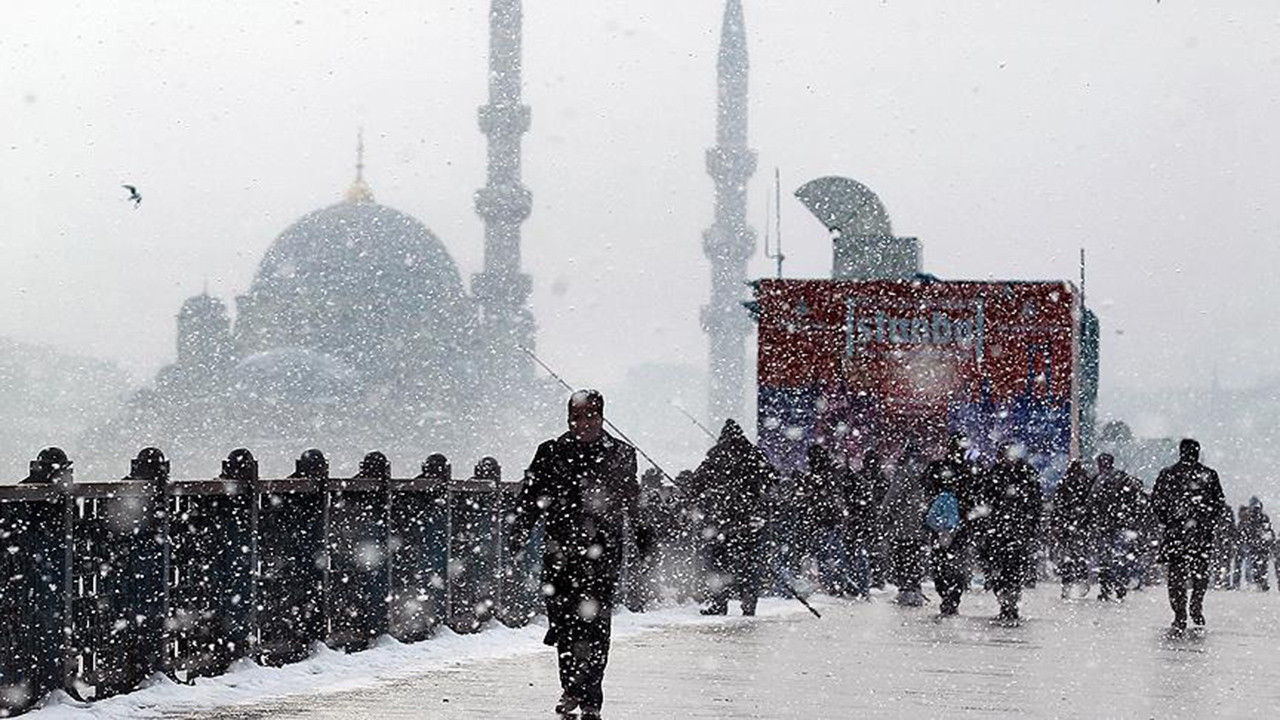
pixel 607 421
pixel 694 420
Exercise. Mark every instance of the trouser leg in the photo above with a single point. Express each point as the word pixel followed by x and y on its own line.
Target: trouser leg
pixel 582 645
pixel 949 576
pixel 908 564
pixel 1178 567
pixel 747 572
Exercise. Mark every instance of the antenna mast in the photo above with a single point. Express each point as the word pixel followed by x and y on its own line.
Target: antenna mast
pixel 777 217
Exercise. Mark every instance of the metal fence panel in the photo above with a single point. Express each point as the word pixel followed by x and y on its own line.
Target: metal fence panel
pixel 117 598
pixel 33 566
pixel 520 589
pixel 290 594
pixel 210 576
pixel 418 553
pixel 356 585
pixel 473 554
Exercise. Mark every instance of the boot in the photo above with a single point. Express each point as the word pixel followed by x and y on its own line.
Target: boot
pixel 566 705
pixel 590 714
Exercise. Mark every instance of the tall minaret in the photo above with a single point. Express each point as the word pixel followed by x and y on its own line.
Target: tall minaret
pixel 502 290
pixel 729 242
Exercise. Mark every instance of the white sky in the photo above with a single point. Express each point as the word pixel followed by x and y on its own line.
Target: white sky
pixel 1005 135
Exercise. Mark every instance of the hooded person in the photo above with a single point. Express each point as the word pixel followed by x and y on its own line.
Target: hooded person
pixel 1187 501
pixel 734 478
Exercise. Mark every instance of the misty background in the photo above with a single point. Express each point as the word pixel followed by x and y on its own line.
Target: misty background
pixel 1005 135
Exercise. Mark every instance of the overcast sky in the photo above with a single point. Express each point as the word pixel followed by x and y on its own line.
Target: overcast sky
pixel 1005 135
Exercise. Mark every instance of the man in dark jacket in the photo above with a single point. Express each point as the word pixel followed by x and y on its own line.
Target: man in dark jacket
pixel 1113 516
pixel 954 475
pixel 1071 527
pixel 734 478
pixel 864 495
pixel 1188 502
pixel 583 484
pixel 903 512
pixel 1009 500
pixel 821 502
pixel 1257 540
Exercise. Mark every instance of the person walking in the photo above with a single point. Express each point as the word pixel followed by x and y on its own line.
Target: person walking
pixel 949 487
pixel 1071 527
pixel 583 485
pixel 1113 517
pixel 1009 496
pixel 1188 502
pixel 1258 539
pixel 734 478
pixel 903 512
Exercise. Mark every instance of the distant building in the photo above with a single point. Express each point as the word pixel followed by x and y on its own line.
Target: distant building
pixel 358 333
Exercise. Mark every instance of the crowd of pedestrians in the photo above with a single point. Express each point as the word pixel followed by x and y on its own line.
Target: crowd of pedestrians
pixel 736 527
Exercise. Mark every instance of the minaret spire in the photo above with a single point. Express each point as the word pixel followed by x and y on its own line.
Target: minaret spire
pixel 359 191
pixel 502 290
pixel 729 242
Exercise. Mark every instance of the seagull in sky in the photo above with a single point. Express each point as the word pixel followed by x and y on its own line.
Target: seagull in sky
pixel 134 195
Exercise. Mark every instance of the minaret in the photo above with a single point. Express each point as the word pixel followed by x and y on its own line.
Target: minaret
pixel 729 242
pixel 502 290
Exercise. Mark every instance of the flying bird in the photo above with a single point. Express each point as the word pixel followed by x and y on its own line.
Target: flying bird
pixel 134 195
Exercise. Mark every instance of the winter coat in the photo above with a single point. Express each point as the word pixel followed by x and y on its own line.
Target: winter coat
pixel 586 492
pixel 734 479
pixel 1114 503
pixel 1188 501
pixel 862 506
pixel 1007 507
pixel 905 504
pixel 1071 514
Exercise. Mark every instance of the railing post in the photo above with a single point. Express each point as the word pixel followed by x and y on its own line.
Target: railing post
pixel 33 557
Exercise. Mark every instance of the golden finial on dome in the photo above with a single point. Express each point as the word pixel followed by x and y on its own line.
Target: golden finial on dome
pixel 359 191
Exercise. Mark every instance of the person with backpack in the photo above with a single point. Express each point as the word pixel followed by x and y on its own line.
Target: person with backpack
pixel 948 484
pixel 1188 502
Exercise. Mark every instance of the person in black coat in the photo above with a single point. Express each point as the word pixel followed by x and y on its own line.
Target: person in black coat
pixel 1114 503
pixel 1188 501
pixel 583 486
pixel 955 475
pixel 734 478
pixel 1071 531
pixel 1008 499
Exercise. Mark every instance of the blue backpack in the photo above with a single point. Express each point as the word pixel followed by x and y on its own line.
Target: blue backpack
pixel 944 513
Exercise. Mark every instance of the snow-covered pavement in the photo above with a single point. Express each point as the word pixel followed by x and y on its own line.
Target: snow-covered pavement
pixel 1068 659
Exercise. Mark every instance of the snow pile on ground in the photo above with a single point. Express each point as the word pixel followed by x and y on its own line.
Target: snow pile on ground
pixel 329 671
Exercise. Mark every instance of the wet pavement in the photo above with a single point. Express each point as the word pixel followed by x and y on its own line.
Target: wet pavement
pixel 1068 659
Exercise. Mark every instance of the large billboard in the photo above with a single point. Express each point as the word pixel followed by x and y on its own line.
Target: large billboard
pixel 859 365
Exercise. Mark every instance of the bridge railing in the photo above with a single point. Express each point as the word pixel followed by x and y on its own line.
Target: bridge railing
pixel 103 584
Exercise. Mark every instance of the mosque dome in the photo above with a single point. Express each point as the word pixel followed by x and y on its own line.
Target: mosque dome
pixel 353 280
